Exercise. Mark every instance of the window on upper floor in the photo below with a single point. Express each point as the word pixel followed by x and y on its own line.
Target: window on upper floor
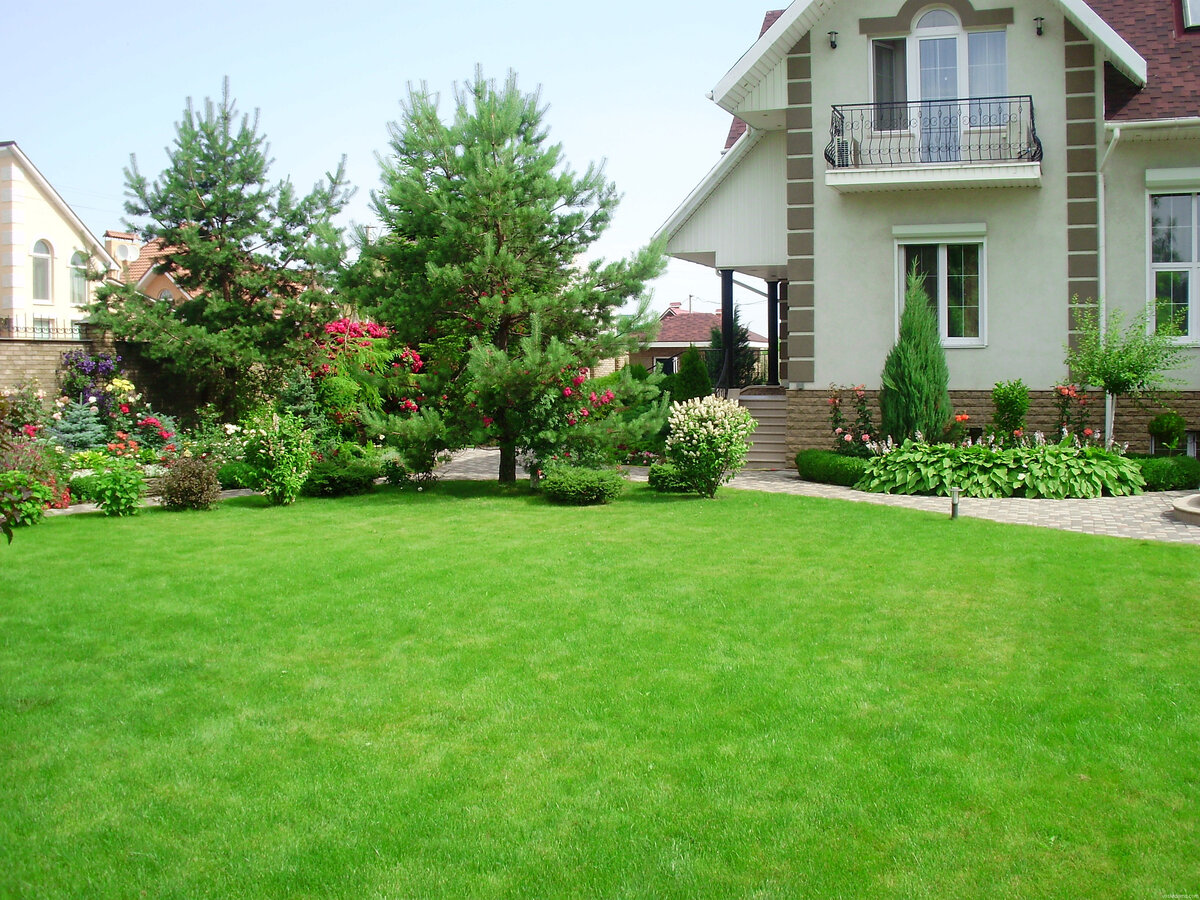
pixel 79 293
pixel 939 61
pixel 1175 262
pixel 166 295
pixel 952 276
pixel 42 259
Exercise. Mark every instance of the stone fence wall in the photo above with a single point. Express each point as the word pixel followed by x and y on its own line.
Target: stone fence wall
pixel 808 414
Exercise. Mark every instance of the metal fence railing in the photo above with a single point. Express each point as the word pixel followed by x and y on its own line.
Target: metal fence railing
pixel 34 328
pixel 966 130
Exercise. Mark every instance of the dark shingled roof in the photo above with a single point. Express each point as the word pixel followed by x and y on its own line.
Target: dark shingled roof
pixel 680 327
pixel 1155 30
pixel 737 128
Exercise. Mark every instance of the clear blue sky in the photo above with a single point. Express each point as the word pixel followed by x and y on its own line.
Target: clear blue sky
pixel 88 84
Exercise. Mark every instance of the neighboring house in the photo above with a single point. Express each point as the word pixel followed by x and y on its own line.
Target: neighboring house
pixel 139 266
pixel 1028 157
pixel 679 329
pixel 45 253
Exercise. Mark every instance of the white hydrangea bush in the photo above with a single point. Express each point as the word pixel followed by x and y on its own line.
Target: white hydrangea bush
pixel 708 441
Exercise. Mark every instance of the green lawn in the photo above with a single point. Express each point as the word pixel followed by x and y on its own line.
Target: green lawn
pixel 467 692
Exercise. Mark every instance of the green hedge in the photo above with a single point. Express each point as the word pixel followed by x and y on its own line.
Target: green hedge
pixel 582 487
pixel 1052 471
pixel 667 479
pixel 1170 473
pixel 340 477
pixel 827 467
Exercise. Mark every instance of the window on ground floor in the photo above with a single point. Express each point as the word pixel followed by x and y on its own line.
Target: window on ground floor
pixel 953 277
pixel 1175 263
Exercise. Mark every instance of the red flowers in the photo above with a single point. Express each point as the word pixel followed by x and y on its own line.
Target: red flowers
pixel 125 408
pixel 962 417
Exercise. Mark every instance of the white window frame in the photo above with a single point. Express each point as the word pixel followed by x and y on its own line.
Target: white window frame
pixel 912 61
pixel 1190 186
pixel 48 259
pixel 942 236
pixel 79 270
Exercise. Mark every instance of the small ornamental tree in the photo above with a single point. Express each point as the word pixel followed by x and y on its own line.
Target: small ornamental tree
pixel 914 396
pixel 1122 360
pixel 80 427
pixel 254 259
pixel 708 441
pixel 692 380
pixel 485 231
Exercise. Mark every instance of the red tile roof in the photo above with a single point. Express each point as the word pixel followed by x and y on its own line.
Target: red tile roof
pixel 149 255
pixel 737 128
pixel 679 327
pixel 1155 30
pixel 123 235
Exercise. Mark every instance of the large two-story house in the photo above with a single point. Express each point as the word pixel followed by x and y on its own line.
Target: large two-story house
pixel 1028 157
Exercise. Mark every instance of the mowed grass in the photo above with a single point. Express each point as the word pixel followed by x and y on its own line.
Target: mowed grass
pixel 467 692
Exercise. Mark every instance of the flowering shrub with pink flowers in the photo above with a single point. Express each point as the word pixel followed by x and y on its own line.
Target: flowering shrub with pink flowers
pixel 851 436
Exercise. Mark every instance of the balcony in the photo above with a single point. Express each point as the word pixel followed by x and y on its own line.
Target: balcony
pixel 927 144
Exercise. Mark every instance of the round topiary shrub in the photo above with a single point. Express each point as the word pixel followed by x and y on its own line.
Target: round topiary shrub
pixel 191 484
pixel 582 487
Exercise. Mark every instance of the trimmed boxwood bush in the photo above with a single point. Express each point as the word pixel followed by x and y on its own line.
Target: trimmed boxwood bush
pixel 1051 471
pixel 667 479
pixel 83 488
pixel 1170 473
pixel 340 476
pixel 827 467
pixel 190 484
pixel 582 487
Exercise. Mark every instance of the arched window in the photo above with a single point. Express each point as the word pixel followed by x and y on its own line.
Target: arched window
pixel 165 295
pixel 79 292
pixel 42 257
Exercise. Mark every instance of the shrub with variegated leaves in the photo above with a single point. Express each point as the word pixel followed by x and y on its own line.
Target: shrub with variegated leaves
pixel 708 441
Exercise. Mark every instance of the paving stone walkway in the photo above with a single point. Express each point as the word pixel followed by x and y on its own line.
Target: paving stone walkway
pixel 1144 517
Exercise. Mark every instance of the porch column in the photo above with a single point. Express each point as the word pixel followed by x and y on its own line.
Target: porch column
pixel 772 332
pixel 727 337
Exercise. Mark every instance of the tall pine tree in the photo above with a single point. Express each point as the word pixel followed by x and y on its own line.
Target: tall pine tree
pixel 255 258
pixel 484 232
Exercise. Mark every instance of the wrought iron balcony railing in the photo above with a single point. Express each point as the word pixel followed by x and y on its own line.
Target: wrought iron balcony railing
pixel 974 130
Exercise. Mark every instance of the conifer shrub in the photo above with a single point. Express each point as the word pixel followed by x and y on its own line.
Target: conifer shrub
pixel 582 487
pixel 341 476
pixel 914 397
pixel 80 427
pixel 692 379
pixel 191 483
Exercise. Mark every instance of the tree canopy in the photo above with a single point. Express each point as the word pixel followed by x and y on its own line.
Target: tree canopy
pixel 255 258
pixel 481 264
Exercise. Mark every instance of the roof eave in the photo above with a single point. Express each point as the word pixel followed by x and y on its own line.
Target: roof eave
pixel 62 205
pixel 726 164
pixel 1117 50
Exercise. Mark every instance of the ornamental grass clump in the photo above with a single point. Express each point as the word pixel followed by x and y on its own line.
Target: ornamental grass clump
pixel 708 441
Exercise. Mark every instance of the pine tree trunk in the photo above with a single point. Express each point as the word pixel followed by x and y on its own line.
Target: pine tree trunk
pixel 508 463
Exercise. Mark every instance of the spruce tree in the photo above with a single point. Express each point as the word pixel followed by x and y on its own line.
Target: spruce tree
pixel 254 257
pixel 79 428
pixel 914 395
pixel 484 232
pixel 692 380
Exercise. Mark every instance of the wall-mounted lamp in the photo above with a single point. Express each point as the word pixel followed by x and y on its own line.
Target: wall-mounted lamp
pixel 1040 22
pixel 833 40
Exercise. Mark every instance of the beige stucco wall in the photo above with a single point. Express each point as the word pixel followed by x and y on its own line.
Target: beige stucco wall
pixel 28 215
pixel 1127 216
pixel 1026 238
